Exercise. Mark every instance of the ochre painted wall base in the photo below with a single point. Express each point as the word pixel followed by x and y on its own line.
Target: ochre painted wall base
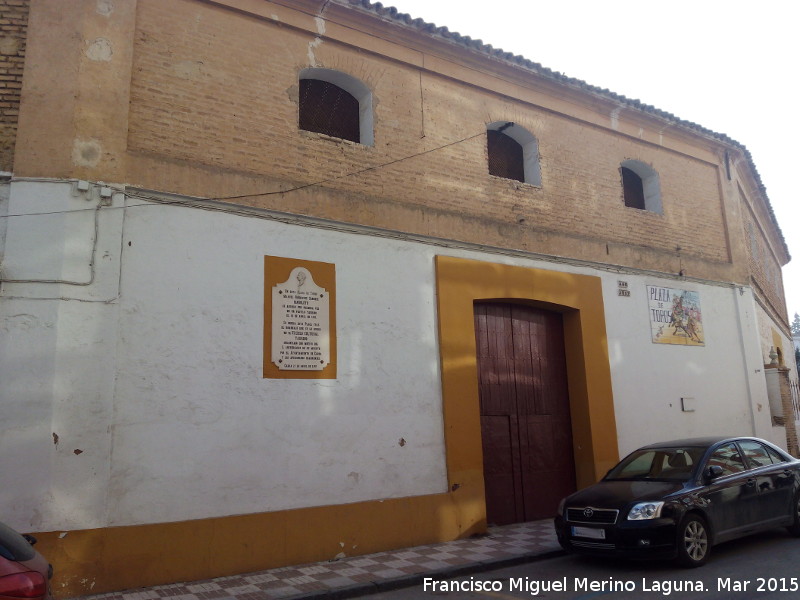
pixel 116 558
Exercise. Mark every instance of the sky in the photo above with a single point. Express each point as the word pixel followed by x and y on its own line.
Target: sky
pixel 729 66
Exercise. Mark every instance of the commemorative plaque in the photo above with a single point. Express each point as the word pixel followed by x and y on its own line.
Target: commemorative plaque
pixel 299 319
pixel 300 323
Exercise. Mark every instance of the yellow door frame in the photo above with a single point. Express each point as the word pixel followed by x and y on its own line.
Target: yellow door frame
pixel 462 282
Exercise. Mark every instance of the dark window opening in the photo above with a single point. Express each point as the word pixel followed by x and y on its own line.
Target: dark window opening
pixel 727 165
pixel 632 189
pixel 505 156
pixel 327 108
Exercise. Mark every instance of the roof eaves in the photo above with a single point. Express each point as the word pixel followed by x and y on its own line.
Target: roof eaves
pixel 392 14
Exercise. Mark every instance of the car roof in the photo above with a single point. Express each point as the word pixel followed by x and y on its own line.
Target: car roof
pixel 704 442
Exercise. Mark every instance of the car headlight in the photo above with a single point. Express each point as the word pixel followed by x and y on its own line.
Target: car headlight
pixel 645 510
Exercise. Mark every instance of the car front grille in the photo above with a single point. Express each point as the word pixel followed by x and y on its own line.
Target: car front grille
pixel 593 545
pixel 592 515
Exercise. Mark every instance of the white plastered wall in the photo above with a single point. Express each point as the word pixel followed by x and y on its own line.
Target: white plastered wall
pixel 196 424
pixel 155 394
pixel 151 376
pixel 723 379
pixel 58 338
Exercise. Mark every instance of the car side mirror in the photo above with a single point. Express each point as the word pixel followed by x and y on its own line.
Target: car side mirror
pixel 713 472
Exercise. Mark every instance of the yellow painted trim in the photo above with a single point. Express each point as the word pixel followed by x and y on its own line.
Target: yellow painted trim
pixel 580 299
pixel 777 343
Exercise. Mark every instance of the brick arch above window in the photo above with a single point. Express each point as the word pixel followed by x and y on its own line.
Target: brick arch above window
pixel 336 104
pixel 513 152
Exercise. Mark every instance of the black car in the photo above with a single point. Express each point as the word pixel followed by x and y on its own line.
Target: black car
pixel 677 499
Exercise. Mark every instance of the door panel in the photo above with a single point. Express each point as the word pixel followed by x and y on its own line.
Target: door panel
pixel 733 498
pixel 522 378
pixel 501 474
pixel 543 466
pixel 732 506
pixel 774 495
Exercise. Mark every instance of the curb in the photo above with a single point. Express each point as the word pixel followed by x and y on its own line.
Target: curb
pixel 388 585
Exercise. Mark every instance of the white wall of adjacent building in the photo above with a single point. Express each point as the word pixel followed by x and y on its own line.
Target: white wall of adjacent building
pixel 723 381
pixel 134 393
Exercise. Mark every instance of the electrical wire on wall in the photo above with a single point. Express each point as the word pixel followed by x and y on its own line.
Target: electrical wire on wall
pixel 209 203
pixel 222 204
pixel 160 198
pixel 92 256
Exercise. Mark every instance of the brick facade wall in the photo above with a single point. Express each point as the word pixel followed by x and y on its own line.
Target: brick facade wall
pixel 763 265
pixel 201 99
pixel 223 93
pixel 13 29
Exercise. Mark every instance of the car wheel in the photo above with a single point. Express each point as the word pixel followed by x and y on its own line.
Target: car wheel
pixel 694 545
pixel 794 528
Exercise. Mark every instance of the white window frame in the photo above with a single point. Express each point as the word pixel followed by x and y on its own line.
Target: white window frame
pixel 651 184
pixel 354 87
pixel 530 149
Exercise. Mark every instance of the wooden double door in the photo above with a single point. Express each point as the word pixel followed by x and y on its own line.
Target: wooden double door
pixel 528 462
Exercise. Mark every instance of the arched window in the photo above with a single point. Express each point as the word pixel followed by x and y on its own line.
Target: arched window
pixel 640 186
pixel 513 152
pixel 335 104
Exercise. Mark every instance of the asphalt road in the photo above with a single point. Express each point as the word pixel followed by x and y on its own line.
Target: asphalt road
pixel 763 566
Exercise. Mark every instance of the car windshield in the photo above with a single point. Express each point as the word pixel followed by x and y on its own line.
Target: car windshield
pixel 654 464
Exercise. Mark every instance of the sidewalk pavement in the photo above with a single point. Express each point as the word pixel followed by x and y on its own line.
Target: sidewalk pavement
pixel 369 574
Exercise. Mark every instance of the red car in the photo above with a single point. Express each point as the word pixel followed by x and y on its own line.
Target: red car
pixel 24 573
